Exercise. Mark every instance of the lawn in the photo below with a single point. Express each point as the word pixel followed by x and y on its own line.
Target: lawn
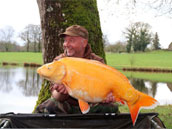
pixel 154 59
pixel 21 57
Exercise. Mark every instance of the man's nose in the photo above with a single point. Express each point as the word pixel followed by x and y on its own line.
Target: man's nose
pixel 66 43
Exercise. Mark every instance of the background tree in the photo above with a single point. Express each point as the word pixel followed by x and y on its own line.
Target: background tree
pixel 138 36
pixel 26 36
pixel 36 37
pixel 118 47
pixel 170 46
pixel 160 7
pixel 131 37
pixel 10 47
pixel 56 16
pixel 156 44
pixel 6 35
pixel 105 40
pixel 144 39
pixel 32 37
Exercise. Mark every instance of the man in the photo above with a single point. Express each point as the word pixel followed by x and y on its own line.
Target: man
pixel 75 45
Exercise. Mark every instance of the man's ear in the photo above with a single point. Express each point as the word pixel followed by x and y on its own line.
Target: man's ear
pixel 85 42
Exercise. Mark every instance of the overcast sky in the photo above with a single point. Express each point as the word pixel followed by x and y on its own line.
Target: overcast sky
pixel 114 18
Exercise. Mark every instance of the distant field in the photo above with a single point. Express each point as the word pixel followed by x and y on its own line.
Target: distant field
pixel 154 59
pixel 21 57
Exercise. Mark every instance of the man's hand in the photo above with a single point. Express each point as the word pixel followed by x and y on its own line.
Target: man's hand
pixel 109 99
pixel 60 88
pixel 59 92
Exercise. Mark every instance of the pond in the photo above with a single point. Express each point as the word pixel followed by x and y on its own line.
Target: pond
pixel 20 88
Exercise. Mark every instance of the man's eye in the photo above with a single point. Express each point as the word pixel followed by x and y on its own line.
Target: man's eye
pixel 72 40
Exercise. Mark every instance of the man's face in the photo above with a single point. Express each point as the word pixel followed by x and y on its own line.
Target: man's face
pixel 74 46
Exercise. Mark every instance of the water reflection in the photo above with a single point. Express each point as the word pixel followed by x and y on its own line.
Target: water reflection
pixel 5 80
pixel 25 78
pixel 20 87
pixel 169 86
pixel 160 91
pixel 140 85
pixel 31 84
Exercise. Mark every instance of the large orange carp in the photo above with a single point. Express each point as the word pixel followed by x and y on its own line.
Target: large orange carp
pixel 91 81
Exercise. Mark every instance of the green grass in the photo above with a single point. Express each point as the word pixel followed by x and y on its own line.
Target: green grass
pixel 165 113
pixel 154 59
pixel 151 76
pixel 21 57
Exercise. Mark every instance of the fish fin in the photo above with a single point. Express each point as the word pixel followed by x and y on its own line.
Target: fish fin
pixel 117 99
pixel 84 106
pixel 144 101
pixel 69 90
pixel 120 101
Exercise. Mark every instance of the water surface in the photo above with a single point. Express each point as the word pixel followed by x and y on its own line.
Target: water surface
pixel 20 87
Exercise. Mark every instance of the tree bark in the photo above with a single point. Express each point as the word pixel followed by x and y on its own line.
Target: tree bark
pixel 56 16
pixel 50 14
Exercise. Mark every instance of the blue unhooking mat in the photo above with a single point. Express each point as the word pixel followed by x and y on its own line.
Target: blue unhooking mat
pixel 108 120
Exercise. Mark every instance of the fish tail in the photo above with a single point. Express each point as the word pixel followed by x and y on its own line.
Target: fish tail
pixel 143 101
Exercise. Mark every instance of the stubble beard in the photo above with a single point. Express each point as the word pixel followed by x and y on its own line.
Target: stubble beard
pixel 70 52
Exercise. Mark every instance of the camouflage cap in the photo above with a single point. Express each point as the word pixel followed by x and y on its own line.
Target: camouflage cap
pixel 75 30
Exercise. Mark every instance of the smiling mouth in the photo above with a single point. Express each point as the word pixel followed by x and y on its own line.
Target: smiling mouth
pixel 70 51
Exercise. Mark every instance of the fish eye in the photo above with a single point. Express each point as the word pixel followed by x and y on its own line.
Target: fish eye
pixel 49 68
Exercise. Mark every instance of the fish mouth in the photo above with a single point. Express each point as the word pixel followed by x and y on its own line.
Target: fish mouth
pixel 40 74
pixel 44 77
pixel 49 79
pixel 39 71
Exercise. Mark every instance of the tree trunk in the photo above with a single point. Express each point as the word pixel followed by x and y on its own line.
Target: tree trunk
pixel 39 45
pixel 56 16
pixel 27 46
pixel 50 14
